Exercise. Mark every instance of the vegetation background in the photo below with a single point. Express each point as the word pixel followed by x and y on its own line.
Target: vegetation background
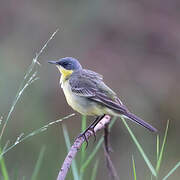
pixel 134 44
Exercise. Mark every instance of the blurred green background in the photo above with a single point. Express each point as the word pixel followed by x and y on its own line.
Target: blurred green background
pixel 134 44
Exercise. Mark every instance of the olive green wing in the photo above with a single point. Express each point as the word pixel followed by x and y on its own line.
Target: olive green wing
pixel 89 84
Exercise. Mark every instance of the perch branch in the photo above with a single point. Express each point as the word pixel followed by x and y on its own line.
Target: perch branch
pixel 76 146
pixel 107 149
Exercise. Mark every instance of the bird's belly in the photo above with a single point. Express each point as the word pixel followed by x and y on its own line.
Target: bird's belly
pixel 83 105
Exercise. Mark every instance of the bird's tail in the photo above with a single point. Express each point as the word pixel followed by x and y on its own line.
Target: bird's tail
pixel 118 109
pixel 138 120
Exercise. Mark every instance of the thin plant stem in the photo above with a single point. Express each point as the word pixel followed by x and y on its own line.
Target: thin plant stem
pixel 23 84
pixel 3 168
pixel 94 171
pixel 172 170
pixel 83 147
pixel 38 164
pixel 20 138
pixel 149 164
pixel 162 148
pixel 134 168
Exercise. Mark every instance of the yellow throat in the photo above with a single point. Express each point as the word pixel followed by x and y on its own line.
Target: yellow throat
pixel 64 73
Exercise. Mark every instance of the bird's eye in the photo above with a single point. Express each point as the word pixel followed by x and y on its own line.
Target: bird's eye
pixel 65 63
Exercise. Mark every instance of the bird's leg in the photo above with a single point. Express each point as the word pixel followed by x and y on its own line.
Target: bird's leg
pixel 91 128
pixel 83 134
pixel 93 125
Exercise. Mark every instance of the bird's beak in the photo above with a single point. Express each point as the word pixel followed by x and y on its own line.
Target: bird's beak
pixel 53 62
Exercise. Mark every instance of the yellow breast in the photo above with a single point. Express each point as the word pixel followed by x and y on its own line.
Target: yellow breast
pixel 64 73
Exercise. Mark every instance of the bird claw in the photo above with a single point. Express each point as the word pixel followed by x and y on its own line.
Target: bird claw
pixel 83 134
pixel 91 128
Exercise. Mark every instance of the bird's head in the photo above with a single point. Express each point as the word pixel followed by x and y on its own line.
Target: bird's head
pixel 67 65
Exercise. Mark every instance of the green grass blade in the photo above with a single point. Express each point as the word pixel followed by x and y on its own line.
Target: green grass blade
pixel 162 148
pixel 83 147
pixel 94 171
pixel 38 164
pixel 68 145
pixel 172 170
pixel 134 167
pixel 15 174
pixel 92 155
pixel 16 99
pixel 3 168
pixel 157 148
pixel 112 122
pixel 149 164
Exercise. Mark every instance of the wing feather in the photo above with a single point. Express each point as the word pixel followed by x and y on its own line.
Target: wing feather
pixel 89 84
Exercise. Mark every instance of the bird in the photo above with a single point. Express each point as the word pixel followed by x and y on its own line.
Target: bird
pixel 86 92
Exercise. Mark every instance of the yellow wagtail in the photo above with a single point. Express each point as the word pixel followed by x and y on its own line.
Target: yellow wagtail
pixel 87 94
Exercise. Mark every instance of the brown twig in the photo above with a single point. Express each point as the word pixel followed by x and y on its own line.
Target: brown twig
pixel 76 146
pixel 107 149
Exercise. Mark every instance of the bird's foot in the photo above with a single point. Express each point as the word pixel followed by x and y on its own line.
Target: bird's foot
pixel 83 134
pixel 91 128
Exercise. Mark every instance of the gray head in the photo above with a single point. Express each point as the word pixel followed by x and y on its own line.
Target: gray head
pixel 68 63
